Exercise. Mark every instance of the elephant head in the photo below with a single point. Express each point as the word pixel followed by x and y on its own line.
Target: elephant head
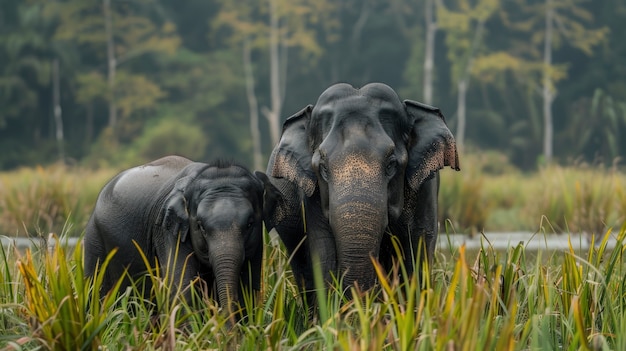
pixel 354 154
pixel 218 208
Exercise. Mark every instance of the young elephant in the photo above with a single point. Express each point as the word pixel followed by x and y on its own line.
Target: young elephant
pixel 210 213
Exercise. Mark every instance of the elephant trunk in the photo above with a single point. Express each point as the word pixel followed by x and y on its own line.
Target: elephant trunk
pixel 358 223
pixel 226 269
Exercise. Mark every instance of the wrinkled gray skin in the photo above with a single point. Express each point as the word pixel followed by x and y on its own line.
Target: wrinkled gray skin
pixel 212 211
pixel 364 164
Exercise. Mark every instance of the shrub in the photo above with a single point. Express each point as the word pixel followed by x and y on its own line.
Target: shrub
pixel 170 137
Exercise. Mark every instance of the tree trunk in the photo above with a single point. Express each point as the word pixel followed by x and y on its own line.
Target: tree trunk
pixel 253 107
pixel 89 124
pixel 357 28
pixel 284 55
pixel 56 100
pixel 273 115
pixel 429 50
pixel 111 62
pixel 462 86
pixel 548 89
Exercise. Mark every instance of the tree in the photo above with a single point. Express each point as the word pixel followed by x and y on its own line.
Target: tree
pixel 551 24
pixel 179 62
pixel 431 26
pixel 56 101
pixel 597 126
pixel 125 33
pixel 464 25
pixel 253 106
pixel 271 28
pixel 111 61
pixel 21 45
pixel 429 11
pixel 27 85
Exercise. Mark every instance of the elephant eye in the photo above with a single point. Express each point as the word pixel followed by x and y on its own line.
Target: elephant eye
pixel 201 227
pixel 392 167
pixel 250 223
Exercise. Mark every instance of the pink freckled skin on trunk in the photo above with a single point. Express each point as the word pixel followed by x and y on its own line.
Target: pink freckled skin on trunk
pixel 357 216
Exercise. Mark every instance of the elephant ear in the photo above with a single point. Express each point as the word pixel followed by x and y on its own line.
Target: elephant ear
pixel 273 201
pixel 291 158
pixel 431 145
pixel 174 215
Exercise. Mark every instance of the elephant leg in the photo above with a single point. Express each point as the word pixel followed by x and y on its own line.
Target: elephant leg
pixel 322 250
pixel 416 229
pixel 292 234
pixel 283 212
pixel 423 227
pixel 178 269
pixel 251 273
pixel 251 278
pixel 95 255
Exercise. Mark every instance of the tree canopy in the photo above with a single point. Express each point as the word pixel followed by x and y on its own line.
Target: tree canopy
pixel 114 82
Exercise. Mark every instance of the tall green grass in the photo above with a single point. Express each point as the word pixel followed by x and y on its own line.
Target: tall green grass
pixel 512 300
pixel 487 300
pixel 575 199
pixel 555 199
pixel 487 195
pixel 63 308
pixel 46 200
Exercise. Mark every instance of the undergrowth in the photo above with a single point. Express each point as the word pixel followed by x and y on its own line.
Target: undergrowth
pixel 480 198
pixel 486 300
pixel 50 199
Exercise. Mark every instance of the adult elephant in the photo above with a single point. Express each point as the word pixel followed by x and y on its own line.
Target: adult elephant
pixel 364 164
pixel 194 220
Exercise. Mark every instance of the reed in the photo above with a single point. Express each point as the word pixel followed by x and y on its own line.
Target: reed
pixel 53 199
pixel 57 199
pixel 510 300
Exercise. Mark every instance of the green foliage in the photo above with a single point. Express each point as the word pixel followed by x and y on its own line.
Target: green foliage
pixel 170 137
pixel 467 199
pixel 575 200
pixel 463 24
pixel 488 194
pixel 25 70
pixel 64 308
pixel 595 128
pixel 461 202
pixel 298 21
pixel 483 300
pixel 39 201
pixel 188 59
pixel 11 294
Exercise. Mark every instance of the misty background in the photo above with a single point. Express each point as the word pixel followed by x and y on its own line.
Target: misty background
pixel 114 83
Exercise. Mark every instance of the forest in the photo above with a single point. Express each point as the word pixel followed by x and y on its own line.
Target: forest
pixel 534 92
pixel 118 82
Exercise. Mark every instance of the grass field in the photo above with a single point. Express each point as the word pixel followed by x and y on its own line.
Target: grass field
pixel 480 197
pixel 486 300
